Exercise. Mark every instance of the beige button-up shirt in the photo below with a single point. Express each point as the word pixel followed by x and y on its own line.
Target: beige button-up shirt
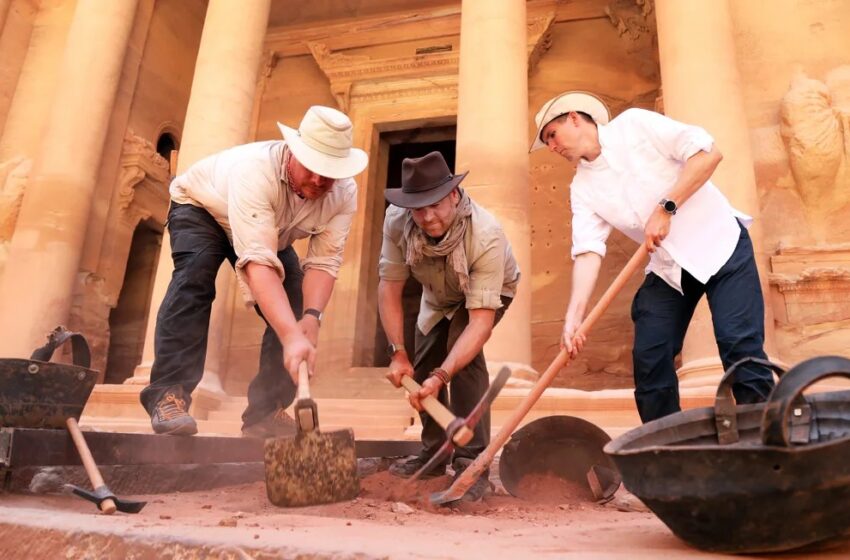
pixel 245 190
pixel 493 271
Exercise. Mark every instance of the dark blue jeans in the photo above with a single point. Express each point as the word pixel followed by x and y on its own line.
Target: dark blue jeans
pixel 198 247
pixel 661 316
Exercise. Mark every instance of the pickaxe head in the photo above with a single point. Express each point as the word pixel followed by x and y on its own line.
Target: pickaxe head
pixel 103 493
pixel 467 423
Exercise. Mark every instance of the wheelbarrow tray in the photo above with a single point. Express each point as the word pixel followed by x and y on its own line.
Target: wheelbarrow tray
pixel 36 394
pixel 745 496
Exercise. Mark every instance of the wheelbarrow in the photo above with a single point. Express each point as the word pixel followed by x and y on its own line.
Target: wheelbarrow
pixel 40 394
pixel 751 478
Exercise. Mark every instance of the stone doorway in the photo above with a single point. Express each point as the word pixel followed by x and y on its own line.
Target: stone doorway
pixel 397 146
pixel 128 320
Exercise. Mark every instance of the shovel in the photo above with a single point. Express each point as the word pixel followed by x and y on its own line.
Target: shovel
pixel 310 467
pixel 468 477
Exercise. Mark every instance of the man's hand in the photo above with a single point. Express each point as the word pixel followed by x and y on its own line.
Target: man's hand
pixel 430 387
pixel 310 327
pixel 297 349
pixel 656 228
pixel 569 340
pixel 399 367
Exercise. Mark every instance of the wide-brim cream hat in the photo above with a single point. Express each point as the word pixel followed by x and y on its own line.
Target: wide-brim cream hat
pixel 322 143
pixel 567 102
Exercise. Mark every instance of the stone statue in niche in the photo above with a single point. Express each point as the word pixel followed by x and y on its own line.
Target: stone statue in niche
pixel 815 127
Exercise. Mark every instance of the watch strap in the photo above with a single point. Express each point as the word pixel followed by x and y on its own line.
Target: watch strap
pixel 315 313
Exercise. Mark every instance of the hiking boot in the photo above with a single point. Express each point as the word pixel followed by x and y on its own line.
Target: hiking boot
pixel 405 468
pixel 274 424
pixel 480 488
pixel 170 417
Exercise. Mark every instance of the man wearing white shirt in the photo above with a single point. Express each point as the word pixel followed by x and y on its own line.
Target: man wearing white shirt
pixel 649 176
pixel 247 205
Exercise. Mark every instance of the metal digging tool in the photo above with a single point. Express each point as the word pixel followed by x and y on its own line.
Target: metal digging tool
pixel 459 431
pixel 106 501
pixel 468 477
pixel 310 467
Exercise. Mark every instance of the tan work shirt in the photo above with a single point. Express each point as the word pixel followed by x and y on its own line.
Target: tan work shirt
pixel 245 190
pixel 493 271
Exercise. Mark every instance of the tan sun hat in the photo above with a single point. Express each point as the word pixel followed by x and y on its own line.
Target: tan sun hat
pixel 567 102
pixel 322 143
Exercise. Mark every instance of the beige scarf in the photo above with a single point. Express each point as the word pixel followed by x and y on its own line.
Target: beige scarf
pixel 450 246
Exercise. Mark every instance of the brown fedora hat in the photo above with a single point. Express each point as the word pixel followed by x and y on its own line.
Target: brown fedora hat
pixel 424 181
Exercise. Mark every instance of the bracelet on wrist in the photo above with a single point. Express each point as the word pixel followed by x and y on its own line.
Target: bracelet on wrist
pixel 441 374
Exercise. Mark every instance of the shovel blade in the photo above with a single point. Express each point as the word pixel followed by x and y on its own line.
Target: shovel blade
pixel 311 468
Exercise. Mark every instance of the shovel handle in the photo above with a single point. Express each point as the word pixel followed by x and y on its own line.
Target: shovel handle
pixel 107 506
pixel 480 464
pixel 438 412
pixel 303 381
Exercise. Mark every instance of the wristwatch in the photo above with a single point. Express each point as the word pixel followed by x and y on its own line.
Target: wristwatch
pixel 669 206
pixel 315 313
pixel 393 349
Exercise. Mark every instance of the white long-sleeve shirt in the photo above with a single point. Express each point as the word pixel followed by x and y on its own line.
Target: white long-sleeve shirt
pixel 247 193
pixel 643 153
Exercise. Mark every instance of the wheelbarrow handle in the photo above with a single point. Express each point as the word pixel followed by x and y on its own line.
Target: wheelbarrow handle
pixel 443 416
pixel 785 396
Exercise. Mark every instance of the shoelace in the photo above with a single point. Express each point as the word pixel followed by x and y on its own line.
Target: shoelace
pixel 171 407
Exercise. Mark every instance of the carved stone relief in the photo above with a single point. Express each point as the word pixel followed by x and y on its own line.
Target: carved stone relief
pixel 815 127
pixel 13 179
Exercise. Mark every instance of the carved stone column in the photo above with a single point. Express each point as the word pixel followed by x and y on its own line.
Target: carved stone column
pixel 702 86
pixel 218 117
pixel 492 144
pixel 45 250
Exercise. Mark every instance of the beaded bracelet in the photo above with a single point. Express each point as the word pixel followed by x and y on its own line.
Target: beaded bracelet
pixel 441 374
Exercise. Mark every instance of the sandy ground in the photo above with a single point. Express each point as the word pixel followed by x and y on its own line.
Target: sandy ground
pixel 239 522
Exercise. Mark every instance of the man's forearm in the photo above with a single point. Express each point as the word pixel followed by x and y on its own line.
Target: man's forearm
pixel 471 340
pixel 270 296
pixel 585 272
pixel 317 287
pixel 390 310
pixel 695 173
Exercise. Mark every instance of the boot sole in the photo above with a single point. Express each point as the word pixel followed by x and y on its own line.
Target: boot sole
pixel 185 430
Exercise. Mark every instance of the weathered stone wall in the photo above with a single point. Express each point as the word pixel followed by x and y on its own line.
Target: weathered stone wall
pixel 795 65
pixel 16 23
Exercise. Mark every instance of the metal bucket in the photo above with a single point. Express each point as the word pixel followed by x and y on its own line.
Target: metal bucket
pixel 37 393
pixel 751 478
pixel 562 446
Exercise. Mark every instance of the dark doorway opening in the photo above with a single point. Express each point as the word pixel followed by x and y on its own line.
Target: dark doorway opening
pixel 410 144
pixel 128 321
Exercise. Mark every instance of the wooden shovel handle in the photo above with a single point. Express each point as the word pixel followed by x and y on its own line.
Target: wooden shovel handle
pixel 480 464
pixel 108 505
pixel 303 381
pixel 438 412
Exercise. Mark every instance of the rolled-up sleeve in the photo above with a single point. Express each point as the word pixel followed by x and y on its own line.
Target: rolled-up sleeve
pixel 324 249
pixel 252 222
pixel 590 232
pixel 392 265
pixel 674 139
pixel 487 274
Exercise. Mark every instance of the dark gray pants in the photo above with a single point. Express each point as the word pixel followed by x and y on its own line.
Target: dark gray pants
pixel 467 386
pixel 661 316
pixel 198 247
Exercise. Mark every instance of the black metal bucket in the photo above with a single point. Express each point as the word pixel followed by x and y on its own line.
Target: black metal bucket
pixel 562 446
pixel 751 478
pixel 37 393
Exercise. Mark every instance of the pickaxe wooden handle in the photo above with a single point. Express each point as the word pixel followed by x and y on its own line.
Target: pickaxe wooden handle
pixel 442 415
pixel 107 506
pixel 468 477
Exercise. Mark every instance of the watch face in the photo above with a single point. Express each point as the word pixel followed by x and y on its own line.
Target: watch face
pixel 391 350
pixel 670 206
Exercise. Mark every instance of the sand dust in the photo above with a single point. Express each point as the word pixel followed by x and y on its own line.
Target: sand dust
pixel 552 489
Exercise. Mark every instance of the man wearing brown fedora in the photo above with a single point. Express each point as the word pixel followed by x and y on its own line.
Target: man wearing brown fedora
pixel 459 253
pixel 247 205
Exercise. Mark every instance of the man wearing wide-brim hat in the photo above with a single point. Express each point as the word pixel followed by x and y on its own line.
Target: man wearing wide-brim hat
pixel 649 176
pixel 459 253
pixel 247 205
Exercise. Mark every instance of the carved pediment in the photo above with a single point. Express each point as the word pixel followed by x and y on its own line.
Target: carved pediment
pixel 360 76
pixel 142 169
